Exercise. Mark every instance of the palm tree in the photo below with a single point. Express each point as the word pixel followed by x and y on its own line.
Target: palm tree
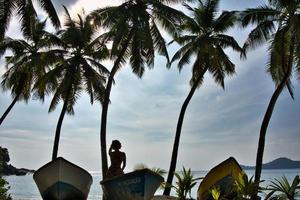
pixel 28 62
pixel 79 70
pixel 26 12
pixel 206 40
pixel 277 23
pixel 135 36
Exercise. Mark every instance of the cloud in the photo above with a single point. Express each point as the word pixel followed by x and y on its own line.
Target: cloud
pixel 91 5
pixel 59 3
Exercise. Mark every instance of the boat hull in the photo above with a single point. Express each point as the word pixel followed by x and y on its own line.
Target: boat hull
pixel 137 185
pixel 223 176
pixel 62 180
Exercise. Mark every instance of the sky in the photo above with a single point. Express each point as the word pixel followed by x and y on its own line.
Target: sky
pixel 143 114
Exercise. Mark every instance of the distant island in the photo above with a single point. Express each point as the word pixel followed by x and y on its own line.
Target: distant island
pixel 8 169
pixel 279 163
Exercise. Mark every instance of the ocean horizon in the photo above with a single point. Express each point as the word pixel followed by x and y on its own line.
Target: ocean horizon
pixel 24 188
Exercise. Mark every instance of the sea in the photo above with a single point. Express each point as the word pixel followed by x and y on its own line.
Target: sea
pixel 24 188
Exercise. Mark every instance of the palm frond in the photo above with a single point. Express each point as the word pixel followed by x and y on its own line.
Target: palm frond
pixel 159 42
pixel 185 58
pixel 227 65
pixel 225 21
pixel 168 17
pixel 100 68
pixel 16 46
pixel 6 10
pixel 119 34
pixel 55 100
pixel 187 47
pixel 50 10
pixel 199 69
pixel 94 83
pixel 48 83
pixel 136 58
pixel 259 34
pixel 221 66
pixel 108 16
pixel 27 16
pixel 69 22
pixel 226 41
pixel 280 56
pixel 258 15
pixel 209 8
pixel 148 45
pixel 297 59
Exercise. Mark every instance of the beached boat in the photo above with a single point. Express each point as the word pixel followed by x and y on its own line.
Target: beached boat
pixel 62 180
pixel 223 176
pixel 137 185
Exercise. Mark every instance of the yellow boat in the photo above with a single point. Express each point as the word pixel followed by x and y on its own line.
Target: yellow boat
pixel 223 176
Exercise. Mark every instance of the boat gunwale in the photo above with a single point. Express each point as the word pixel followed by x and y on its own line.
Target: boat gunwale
pixel 140 171
pixel 56 160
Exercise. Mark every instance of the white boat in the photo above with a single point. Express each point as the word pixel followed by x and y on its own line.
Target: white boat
pixel 63 180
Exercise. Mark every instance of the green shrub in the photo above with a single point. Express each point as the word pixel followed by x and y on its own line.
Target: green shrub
pixel 246 188
pixel 4 190
pixel 283 190
pixel 184 184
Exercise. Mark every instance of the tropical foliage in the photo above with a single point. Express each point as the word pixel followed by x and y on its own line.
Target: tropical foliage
pixel 28 63
pixel 4 190
pixel 78 70
pixel 184 184
pixel 215 192
pixel 157 170
pixel 135 35
pixel 283 190
pixel 4 158
pixel 277 23
pixel 26 13
pixel 203 36
pixel 245 188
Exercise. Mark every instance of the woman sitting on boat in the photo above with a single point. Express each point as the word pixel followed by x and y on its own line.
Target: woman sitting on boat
pixel 116 158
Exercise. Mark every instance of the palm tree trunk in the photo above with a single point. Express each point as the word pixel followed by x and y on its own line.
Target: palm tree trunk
pixel 106 103
pixel 267 118
pixel 58 128
pixel 104 120
pixel 177 135
pixel 263 129
pixel 9 108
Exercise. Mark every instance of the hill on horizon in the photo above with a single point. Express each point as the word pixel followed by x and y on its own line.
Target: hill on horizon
pixel 279 163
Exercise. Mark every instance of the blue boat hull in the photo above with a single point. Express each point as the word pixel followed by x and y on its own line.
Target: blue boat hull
pixel 137 185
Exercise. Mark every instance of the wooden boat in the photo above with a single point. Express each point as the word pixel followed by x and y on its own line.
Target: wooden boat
pixel 62 180
pixel 223 176
pixel 137 185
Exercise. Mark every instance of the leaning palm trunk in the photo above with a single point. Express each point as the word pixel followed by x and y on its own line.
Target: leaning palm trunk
pixel 9 109
pixel 58 129
pixel 268 115
pixel 104 121
pixel 106 103
pixel 178 133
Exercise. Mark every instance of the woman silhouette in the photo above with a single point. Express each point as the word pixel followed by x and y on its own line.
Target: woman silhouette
pixel 116 158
